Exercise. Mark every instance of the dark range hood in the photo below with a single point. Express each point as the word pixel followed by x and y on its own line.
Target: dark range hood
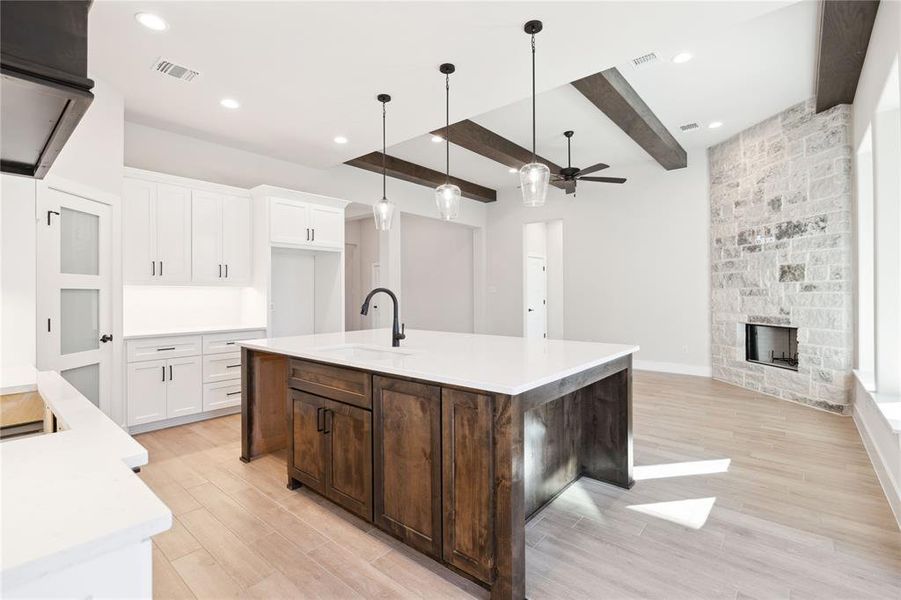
pixel 44 88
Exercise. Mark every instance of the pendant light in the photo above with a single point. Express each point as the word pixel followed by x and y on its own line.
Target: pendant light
pixel 534 177
pixel 447 196
pixel 383 210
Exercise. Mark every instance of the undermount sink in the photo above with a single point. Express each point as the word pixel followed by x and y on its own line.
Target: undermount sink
pixel 364 352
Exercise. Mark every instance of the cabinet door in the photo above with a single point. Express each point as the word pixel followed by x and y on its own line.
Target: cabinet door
pixel 146 391
pixel 184 394
pixel 236 236
pixel 206 237
pixel 348 433
pixel 173 233
pixel 289 222
pixel 307 449
pixel 467 482
pixel 140 252
pixel 326 226
pixel 408 462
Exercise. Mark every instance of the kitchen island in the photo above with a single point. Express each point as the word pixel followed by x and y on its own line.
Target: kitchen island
pixel 449 443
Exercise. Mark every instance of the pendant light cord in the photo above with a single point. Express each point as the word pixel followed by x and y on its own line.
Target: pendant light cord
pixel 447 127
pixel 384 149
pixel 533 97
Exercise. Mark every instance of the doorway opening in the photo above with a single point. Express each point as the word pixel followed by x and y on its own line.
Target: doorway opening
pixel 543 279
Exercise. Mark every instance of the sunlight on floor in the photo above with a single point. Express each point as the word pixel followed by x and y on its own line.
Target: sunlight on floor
pixel 691 513
pixel 681 469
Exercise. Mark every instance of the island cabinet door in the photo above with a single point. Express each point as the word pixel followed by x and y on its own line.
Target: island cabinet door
pixel 348 433
pixel 408 462
pixel 308 449
pixel 468 474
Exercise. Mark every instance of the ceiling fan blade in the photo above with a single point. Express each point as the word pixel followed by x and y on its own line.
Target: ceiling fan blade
pixel 604 179
pixel 593 168
pixel 570 187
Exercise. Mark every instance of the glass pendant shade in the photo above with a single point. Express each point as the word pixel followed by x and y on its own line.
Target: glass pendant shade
pixel 447 197
pixel 533 180
pixel 383 212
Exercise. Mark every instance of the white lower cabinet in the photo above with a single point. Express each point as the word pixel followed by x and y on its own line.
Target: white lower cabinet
pixel 221 395
pixel 146 391
pixel 183 391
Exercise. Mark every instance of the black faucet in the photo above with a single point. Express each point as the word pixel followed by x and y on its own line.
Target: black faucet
pixel 397 333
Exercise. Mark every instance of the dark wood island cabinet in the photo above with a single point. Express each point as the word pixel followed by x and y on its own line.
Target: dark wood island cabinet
pixel 451 471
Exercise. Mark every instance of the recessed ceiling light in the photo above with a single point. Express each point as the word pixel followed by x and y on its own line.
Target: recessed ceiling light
pixel 152 21
pixel 340 139
pixel 230 103
pixel 682 57
pixel 715 124
pixel 437 139
pixel 513 170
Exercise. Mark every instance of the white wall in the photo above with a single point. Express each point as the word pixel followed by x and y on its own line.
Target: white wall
pixel 158 308
pixel 635 260
pixel 437 267
pixel 17 271
pixel 360 234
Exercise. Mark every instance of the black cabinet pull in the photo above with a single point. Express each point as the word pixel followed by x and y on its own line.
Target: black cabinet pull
pixel 319 427
pixel 161 268
pixel 232 366
pixel 314 234
pixel 226 270
pixel 165 349
pixel 233 393
pixel 232 343
pixel 170 372
pixel 326 424
pixel 220 270
pixel 153 268
pixel 164 372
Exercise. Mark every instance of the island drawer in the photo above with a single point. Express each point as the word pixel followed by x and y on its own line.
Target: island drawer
pixel 336 383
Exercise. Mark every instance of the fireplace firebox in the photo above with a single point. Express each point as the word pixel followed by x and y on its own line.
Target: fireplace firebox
pixel 772 345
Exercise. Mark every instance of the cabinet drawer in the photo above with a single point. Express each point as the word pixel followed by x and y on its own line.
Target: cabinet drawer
pixel 221 367
pixel 163 347
pixel 221 395
pixel 217 343
pixel 337 383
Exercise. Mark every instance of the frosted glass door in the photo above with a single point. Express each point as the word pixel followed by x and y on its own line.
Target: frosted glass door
pixel 74 292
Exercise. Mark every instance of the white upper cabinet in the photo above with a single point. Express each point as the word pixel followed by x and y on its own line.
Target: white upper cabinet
pixel 298 223
pixel 157 233
pixel 181 234
pixel 221 238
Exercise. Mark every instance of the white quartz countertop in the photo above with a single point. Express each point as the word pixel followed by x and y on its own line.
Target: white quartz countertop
pixel 166 332
pixel 71 496
pixel 501 364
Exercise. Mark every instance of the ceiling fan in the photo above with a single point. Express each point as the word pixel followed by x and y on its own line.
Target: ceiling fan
pixel 570 175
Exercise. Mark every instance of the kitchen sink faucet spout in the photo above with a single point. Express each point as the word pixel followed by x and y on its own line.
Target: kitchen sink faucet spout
pixel 397 332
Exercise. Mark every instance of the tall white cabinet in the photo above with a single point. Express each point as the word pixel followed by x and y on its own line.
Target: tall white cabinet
pixel 158 232
pixel 221 235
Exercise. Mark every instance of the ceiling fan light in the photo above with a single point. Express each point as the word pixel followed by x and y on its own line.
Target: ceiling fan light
pixel 383 212
pixel 533 180
pixel 447 198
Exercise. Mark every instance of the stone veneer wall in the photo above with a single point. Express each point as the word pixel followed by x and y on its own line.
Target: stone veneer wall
pixel 780 210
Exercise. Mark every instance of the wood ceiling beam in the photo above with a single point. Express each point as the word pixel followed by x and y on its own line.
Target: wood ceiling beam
pixel 612 94
pixel 399 168
pixel 845 28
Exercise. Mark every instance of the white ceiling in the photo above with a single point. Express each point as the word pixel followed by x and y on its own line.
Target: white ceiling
pixel 308 71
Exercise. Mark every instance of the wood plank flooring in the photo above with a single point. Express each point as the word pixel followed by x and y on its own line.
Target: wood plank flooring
pixel 738 496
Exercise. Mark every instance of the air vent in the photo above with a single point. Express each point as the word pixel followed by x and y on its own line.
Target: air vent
pixel 173 70
pixel 645 60
pixel 689 126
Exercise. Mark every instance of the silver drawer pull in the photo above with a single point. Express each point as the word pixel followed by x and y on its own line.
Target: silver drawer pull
pixel 233 393
pixel 232 366
pixel 165 349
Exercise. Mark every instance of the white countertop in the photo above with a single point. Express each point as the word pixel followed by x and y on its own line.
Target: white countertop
pixel 501 364
pixel 17 380
pixel 71 496
pixel 150 333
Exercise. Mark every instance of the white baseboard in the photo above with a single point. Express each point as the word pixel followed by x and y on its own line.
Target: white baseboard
pixel 203 416
pixel 889 486
pixel 666 367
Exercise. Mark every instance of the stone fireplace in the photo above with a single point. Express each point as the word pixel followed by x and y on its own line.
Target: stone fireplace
pixel 780 210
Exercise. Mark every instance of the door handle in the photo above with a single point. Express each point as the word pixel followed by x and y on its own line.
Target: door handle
pixel 106 338
pixel 531 310
pixel 51 212
pixel 318 413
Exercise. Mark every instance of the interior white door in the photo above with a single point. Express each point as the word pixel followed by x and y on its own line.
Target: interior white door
pixel 139 262
pixel 184 394
pixel 236 239
pixel 206 237
pixel 173 233
pixel 147 391
pixel 74 295
pixel 536 297
pixel 289 222
pixel 326 226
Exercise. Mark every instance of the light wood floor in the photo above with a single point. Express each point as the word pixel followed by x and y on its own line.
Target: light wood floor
pixel 738 496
